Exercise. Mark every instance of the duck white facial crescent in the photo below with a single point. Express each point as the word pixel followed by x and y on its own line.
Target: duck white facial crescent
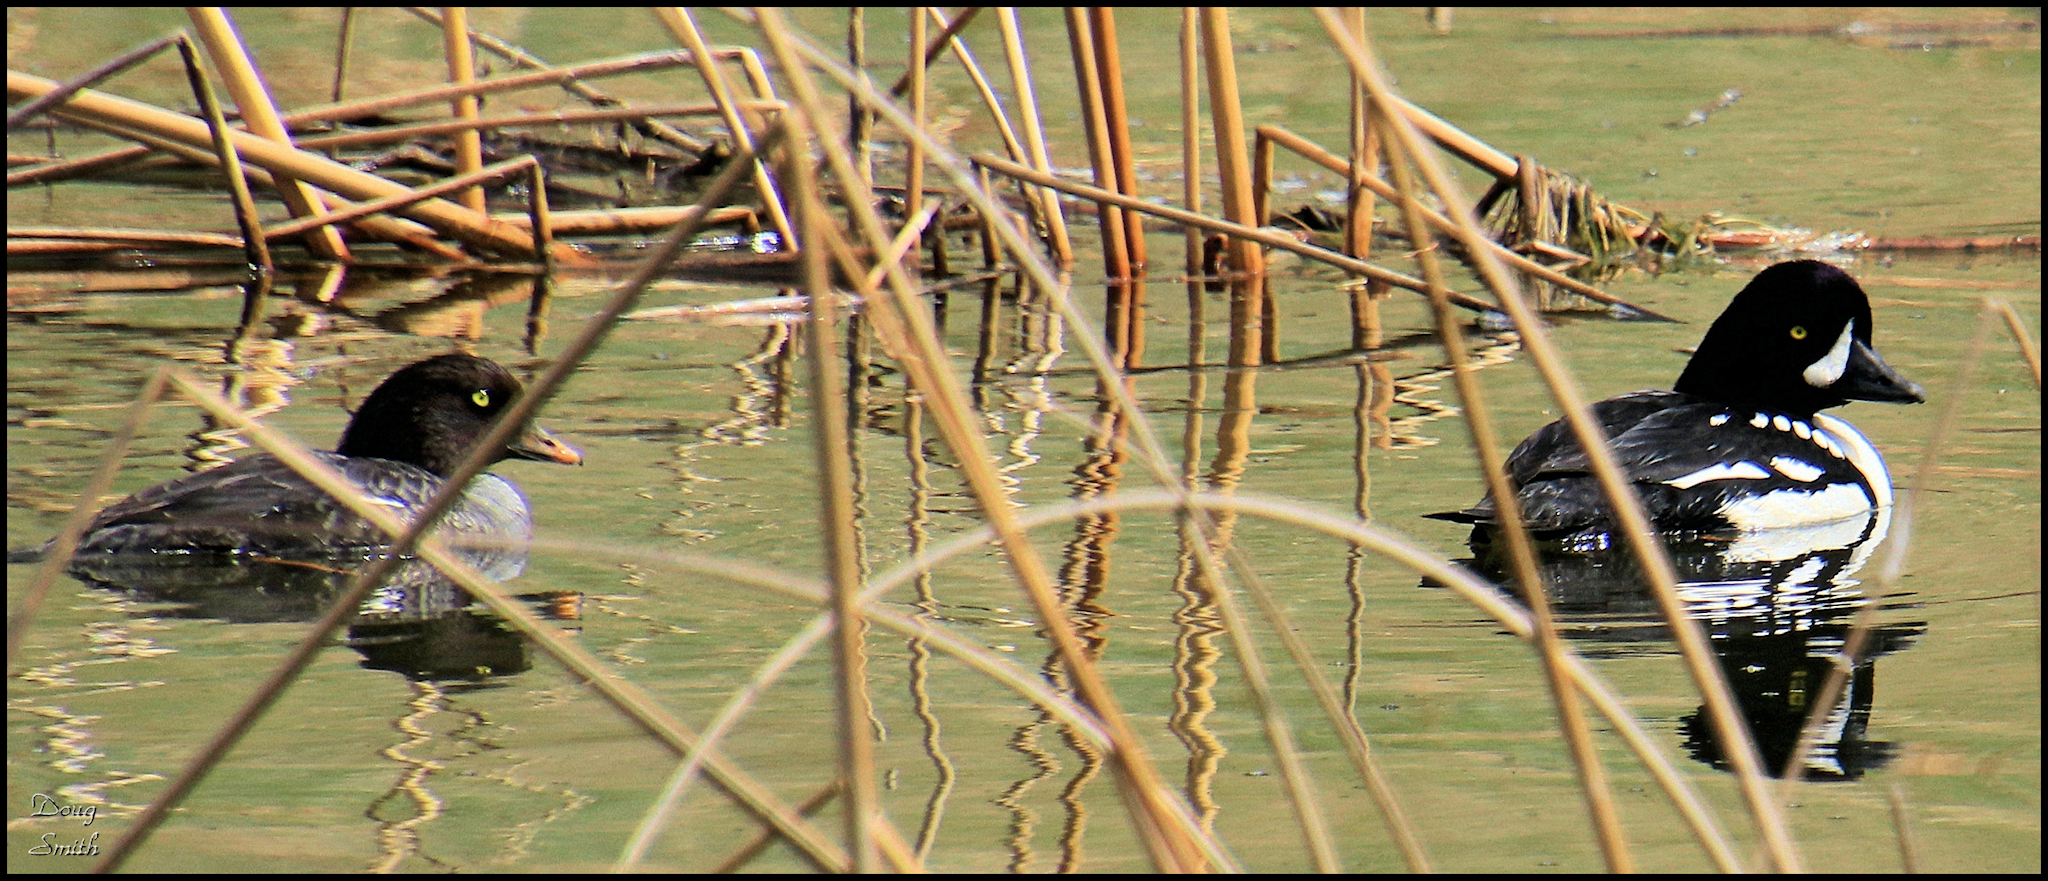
pixel 1824 373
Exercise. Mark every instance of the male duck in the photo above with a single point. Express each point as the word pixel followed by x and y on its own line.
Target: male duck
pixel 1739 443
pixel 398 448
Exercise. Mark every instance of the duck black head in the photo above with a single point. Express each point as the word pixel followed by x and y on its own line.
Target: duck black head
pixel 432 413
pixel 1796 340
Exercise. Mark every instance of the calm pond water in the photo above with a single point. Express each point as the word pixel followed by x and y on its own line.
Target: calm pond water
pixel 697 442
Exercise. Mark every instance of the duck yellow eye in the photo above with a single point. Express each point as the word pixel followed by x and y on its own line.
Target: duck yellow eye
pixel 481 397
pixel 1798 332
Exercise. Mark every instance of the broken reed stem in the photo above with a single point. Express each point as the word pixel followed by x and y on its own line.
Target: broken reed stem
pixel 532 119
pixel 741 125
pixel 1630 522
pixel 1034 134
pixel 344 45
pixel 254 247
pixel 155 125
pixel 913 181
pixel 1232 162
pixel 375 106
pixel 1190 138
pixel 489 174
pixel 31 109
pixel 1015 149
pixel 583 91
pixel 949 33
pixel 1308 149
pixel 2029 354
pixel 1201 221
pixel 469 145
pixel 1116 256
pixel 543 225
pixel 1110 72
pixel 259 114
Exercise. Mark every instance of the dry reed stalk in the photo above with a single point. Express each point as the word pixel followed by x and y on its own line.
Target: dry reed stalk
pixel 520 58
pixel 1233 164
pixel 624 221
pixel 1309 150
pixel 1366 326
pixel 1464 146
pixel 949 34
pixel 144 237
pixel 489 174
pixel 1528 183
pixel 354 110
pixel 913 160
pixel 259 113
pixel 66 169
pixel 1364 162
pixel 1110 69
pixel 684 29
pixel 135 118
pixel 527 119
pixel 542 222
pixel 1164 830
pixel 31 109
pixel 469 145
pixel 1629 518
pixel 1011 145
pixel 344 44
pixel 1262 178
pixel 1256 236
pixel 1228 115
pixel 1034 135
pixel 1592 777
pixel 1902 828
pixel 1190 141
pixel 2029 353
pixel 860 122
pixel 836 517
pixel 648 62
pixel 254 246
pixel 1116 256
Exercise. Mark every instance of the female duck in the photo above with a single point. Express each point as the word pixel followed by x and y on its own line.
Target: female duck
pixel 1739 443
pixel 405 439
